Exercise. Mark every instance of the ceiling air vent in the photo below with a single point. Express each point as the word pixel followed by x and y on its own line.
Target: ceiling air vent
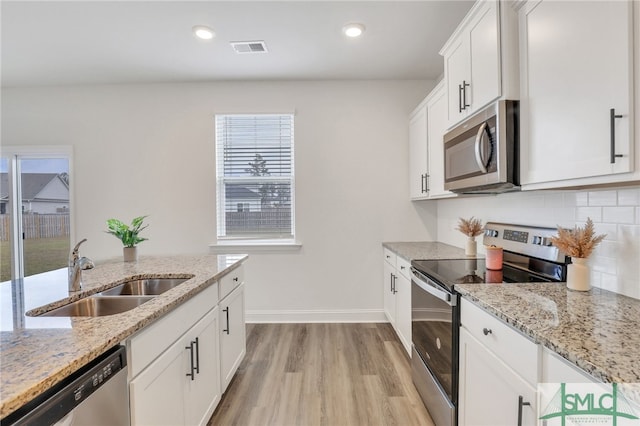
pixel 249 46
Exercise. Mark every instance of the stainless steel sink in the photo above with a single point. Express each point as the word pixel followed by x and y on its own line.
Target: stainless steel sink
pixel 98 306
pixel 151 286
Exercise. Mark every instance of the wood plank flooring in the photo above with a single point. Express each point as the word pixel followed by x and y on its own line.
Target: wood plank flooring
pixel 322 374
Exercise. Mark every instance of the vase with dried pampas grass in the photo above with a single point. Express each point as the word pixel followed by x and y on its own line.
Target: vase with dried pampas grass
pixel 471 228
pixel 578 243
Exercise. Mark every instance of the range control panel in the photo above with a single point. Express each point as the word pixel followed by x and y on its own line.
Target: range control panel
pixel 530 240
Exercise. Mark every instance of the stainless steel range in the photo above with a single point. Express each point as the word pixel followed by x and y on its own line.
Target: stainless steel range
pixel 435 312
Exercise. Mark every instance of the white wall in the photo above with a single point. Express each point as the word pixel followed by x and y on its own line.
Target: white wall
pixel 615 264
pixel 149 149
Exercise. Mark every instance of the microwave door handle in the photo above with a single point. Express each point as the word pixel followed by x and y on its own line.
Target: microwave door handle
pixel 479 159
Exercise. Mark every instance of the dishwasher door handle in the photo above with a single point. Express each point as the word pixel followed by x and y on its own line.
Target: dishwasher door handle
pixel 432 288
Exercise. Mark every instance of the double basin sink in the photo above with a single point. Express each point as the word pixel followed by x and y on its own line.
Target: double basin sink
pixel 121 298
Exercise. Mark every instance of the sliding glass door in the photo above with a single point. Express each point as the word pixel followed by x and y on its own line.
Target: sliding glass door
pixel 35 225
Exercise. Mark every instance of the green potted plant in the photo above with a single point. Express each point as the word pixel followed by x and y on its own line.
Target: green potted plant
pixel 128 235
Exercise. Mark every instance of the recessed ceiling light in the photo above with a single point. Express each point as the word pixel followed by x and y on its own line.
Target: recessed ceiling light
pixel 353 30
pixel 202 32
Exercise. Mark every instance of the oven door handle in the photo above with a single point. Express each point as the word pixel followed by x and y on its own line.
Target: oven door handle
pixel 433 289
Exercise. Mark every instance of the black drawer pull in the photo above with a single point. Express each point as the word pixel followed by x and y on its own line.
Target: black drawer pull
pixel 487 331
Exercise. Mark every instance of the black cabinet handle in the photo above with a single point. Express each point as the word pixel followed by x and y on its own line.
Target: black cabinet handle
pixel 235 279
pixel 426 182
pixel 393 284
pixel 197 345
pixel 464 94
pixel 190 348
pixel 226 310
pixel 487 331
pixel 422 184
pixel 613 116
pixel 460 89
pixel 521 403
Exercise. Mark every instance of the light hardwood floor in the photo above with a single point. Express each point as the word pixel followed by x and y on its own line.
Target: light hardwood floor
pixel 322 374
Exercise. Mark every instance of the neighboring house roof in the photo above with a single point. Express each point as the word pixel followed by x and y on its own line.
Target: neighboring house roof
pixel 32 184
pixel 240 192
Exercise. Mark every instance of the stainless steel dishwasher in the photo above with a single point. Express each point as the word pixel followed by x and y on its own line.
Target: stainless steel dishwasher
pixel 95 395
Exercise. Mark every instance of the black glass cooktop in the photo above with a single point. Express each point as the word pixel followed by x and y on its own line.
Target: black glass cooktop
pixel 472 271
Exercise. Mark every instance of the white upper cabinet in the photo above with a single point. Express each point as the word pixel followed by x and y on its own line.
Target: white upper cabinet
pixel 418 163
pixel 436 126
pixel 427 125
pixel 577 93
pixel 480 60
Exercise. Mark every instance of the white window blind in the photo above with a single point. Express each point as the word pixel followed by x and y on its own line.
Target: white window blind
pixel 254 170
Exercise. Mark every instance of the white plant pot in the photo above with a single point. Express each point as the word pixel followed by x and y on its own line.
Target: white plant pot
pixel 578 274
pixel 471 249
pixel 130 254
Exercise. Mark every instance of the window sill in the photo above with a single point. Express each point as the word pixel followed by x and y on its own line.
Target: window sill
pixel 274 246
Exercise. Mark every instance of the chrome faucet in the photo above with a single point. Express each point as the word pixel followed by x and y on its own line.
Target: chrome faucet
pixel 76 265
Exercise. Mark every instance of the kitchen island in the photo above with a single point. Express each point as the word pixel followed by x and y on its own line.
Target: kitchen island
pixel 38 352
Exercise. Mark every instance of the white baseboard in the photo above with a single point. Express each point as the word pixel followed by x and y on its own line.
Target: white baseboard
pixel 305 316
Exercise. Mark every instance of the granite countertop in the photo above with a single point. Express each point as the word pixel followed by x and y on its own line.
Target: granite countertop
pixel 425 250
pixel 38 352
pixel 595 330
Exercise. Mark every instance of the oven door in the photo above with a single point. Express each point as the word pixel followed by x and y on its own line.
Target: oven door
pixel 434 331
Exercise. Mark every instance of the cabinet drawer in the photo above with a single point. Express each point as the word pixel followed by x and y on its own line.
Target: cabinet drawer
pixel 150 342
pixel 390 257
pixel 403 267
pixel 230 281
pixel 512 347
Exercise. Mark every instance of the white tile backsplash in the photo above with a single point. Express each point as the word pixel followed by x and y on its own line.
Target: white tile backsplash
pixel 618 214
pixel 582 198
pixel 595 213
pixel 629 197
pixel 603 198
pixel 615 264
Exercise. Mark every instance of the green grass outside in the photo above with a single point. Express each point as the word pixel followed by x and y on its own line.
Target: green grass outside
pixel 40 255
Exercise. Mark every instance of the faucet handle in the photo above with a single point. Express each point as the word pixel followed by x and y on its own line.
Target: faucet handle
pixel 77 247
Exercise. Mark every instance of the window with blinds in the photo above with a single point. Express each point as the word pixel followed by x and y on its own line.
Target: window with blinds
pixel 254 170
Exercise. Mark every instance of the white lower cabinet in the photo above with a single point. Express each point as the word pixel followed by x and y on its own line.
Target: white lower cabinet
pixel 491 393
pixel 397 296
pixel 181 386
pixel 498 372
pixel 180 365
pixel 389 273
pixel 232 334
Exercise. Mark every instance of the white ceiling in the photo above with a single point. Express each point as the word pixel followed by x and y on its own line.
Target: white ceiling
pixel 102 42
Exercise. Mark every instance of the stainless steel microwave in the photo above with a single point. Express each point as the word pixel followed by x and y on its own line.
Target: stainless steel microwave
pixel 481 154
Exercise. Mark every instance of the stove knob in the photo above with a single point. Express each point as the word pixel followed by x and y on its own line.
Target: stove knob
pixel 546 241
pixel 536 240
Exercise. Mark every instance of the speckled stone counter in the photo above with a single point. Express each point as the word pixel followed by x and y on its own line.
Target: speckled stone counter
pixel 38 352
pixel 425 250
pixel 599 331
